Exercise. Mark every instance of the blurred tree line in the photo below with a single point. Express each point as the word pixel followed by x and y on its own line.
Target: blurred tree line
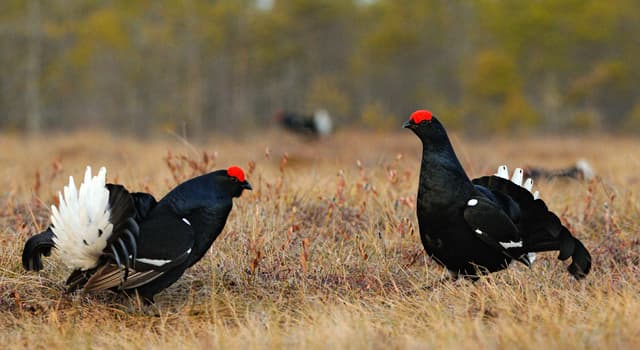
pixel 489 65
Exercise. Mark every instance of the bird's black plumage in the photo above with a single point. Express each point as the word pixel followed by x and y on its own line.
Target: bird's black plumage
pixel 37 246
pixel 143 203
pixel 480 226
pixel 153 242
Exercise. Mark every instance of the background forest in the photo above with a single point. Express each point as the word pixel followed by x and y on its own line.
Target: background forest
pixel 142 66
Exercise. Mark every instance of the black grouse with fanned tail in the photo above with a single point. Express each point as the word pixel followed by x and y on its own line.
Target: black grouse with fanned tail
pixel 144 246
pixel 479 226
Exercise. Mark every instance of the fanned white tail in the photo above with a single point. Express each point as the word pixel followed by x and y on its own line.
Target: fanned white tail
pixel 81 222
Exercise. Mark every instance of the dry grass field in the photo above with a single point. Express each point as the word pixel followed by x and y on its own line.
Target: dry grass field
pixel 325 252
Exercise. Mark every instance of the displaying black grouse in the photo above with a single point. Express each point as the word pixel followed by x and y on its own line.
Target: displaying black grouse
pixel 113 239
pixel 479 226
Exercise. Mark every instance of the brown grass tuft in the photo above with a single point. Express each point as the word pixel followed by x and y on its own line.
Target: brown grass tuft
pixel 325 252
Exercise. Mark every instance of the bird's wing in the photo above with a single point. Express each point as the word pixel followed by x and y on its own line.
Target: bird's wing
pixel 165 242
pixel 144 203
pixel 536 216
pixel 493 226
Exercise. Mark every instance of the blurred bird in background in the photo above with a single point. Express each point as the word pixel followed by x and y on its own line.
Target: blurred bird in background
pixel 316 125
pixel 582 170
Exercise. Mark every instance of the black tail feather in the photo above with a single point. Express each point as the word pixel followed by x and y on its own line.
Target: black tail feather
pixel 541 228
pixel 580 257
pixel 125 228
pixel 122 246
pixel 580 261
pixel 122 208
pixel 35 248
pixel 568 247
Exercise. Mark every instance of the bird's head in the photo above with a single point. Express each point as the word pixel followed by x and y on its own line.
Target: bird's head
pixel 424 124
pixel 236 181
pixel 418 120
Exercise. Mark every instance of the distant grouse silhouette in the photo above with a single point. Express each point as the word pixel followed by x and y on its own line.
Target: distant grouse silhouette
pixel 582 170
pixel 479 226
pixel 113 239
pixel 317 125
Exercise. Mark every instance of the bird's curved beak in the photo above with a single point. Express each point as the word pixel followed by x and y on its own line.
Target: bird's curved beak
pixel 407 124
pixel 247 186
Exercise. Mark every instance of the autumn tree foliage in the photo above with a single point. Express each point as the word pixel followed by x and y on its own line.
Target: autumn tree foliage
pixel 146 66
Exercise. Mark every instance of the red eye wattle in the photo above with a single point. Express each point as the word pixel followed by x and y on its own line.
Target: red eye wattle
pixel 421 115
pixel 236 172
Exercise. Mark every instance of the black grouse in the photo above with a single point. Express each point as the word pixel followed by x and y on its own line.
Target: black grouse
pixel 114 239
pixel 478 226
pixel 319 124
pixel 581 170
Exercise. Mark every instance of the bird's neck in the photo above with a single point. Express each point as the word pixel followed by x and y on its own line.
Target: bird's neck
pixel 443 181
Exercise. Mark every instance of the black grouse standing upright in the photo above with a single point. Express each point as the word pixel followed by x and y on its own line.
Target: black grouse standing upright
pixel 479 226
pixel 113 239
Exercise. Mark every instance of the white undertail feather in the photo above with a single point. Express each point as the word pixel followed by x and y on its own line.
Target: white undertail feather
pixel 517 176
pixel 528 184
pixel 587 171
pixel 322 120
pixel 79 219
pixel 503 172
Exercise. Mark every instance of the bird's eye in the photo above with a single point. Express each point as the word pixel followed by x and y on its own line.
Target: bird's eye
pixel 234 179
pixel 424 122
